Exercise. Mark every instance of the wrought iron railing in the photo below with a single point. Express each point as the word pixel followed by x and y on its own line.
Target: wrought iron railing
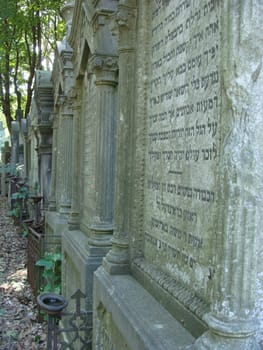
pixel 66 330
pixel 38 244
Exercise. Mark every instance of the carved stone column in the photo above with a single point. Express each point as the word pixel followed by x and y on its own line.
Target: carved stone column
pixel 65 160
pixel 117 260
pixel 45 159
pixel 52 202
pixel 231 322
pixel 105 69
pixel 74 218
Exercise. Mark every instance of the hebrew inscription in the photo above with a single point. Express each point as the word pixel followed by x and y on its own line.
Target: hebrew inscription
pixel 182 137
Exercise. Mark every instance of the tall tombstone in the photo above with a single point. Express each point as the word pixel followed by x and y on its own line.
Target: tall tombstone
pixel 14 161
pixel 188 197
pixel 5 158
pixel 52 201
pixel 62 123
pixel 65 119
pixel 24 139
pixel 20 161
pixel 44 101
pixel 86 240
pixel 32 140
pixel 64 160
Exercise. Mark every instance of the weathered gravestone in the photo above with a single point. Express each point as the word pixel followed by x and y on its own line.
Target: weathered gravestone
pixel 41 125
pixel 189 183
pixel 82 187
pixel 5 158
pixel 62 124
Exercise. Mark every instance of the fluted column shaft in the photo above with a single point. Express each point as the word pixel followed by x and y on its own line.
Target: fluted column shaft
pixel 231 322
pixel 117 260
pixel 52 202
pixel 74 216
pixel 105 69
pixel 65 162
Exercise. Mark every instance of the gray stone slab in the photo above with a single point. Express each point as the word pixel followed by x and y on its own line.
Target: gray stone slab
pixel 144 323
pixel 182 140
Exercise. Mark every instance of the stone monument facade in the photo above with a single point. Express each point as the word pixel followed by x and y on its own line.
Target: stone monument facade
pixel 156 170
pixel 62 122
pixel 188 179
pixel 38 152
pixel 83 162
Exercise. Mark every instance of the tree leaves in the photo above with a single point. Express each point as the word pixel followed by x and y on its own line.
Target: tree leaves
pixel 52 271
pixel 24 28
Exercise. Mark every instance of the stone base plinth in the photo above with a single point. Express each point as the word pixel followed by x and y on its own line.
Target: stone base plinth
pixel 125 316
pixel 79 262
pixel 212 341
pixel 228 335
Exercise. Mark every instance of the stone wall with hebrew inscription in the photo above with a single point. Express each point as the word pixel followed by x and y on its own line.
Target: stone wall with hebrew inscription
pixel 182 139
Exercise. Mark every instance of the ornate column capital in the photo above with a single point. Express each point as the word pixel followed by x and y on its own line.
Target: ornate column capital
pixel 123 26
pixel 105 68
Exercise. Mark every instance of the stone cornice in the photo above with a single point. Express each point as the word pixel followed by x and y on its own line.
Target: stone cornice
pixel 82 8
pixel 66 55
pixel 43 96
pixel 99 18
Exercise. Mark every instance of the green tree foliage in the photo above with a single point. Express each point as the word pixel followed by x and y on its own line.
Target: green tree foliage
pixel 29 30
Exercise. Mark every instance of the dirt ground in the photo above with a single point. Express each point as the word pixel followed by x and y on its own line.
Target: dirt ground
pixel 19 326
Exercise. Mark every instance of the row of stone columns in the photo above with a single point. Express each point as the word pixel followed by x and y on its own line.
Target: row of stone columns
pixel 231 325
pixel 231 322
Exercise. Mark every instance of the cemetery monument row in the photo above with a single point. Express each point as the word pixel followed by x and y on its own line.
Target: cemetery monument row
pixel 156 186
pixel 200 113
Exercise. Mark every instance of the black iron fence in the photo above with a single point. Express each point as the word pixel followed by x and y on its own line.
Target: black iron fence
pixel 38 244
pixel 66 330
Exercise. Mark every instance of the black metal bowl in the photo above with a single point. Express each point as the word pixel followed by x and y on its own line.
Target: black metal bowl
pixel 52 303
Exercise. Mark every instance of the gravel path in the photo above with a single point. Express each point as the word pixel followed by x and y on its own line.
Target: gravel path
pixel 19 328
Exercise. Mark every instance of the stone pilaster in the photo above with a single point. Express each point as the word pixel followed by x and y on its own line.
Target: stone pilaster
pixel 65 160
pixel 52 201
pixel 117 260
pixel 65 141
pixel 74 217
pixel 105 69
pixel 44 100
pixel 231 322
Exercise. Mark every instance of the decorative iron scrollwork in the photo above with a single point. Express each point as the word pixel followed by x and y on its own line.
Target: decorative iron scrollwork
pixel 66 330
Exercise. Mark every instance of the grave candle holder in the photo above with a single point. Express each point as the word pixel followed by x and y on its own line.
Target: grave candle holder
pixel 53 304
